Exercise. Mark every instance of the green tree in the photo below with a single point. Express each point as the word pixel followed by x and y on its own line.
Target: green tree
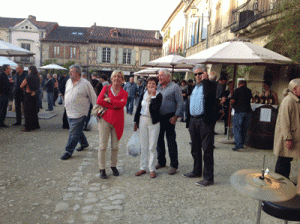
pixel 286 34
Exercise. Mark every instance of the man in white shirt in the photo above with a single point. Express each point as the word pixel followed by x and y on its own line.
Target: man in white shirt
pixel 79 95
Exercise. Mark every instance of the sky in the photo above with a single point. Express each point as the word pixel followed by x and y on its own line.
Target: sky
pixel 137 14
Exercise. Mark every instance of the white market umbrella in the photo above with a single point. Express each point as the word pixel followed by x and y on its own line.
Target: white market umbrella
pixel 11 50
pixel 169 61
pixel 53 67
pixel 6 61
pixel 148 71
pixel 237 52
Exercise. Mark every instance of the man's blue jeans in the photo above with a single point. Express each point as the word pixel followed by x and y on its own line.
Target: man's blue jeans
pixel 241 123
pixel 130 105
pixel 76 134
pixel 50 100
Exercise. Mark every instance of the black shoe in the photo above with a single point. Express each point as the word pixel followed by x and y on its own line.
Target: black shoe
pixel 204 183
pixel 66 156
pixel 17 123
pixel 115 171
pixel 48 110
pixel 82 147
pixel 103 174
pixel 237 149
pixel 4 126
pixel 191 175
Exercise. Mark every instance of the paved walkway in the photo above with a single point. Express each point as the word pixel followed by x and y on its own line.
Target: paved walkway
pixel 37 187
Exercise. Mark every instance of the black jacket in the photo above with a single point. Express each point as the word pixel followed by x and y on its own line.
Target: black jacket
pixel 154 109
pixel 211 103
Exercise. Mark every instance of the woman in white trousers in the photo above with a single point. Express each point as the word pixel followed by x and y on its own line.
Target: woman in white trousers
pixel 147 119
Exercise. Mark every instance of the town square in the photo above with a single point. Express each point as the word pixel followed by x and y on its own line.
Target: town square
pixel 183 111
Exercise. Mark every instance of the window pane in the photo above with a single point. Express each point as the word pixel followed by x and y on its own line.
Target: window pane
pixel 106 55
pixel 127 56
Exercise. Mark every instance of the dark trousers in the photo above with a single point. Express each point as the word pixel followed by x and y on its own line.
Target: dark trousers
pixel 283 166
pixel 55 95
pixel 202 136
pixel 19 100
pixel 3 108
pixel 65 120
pixel 169 129
pixel 31 112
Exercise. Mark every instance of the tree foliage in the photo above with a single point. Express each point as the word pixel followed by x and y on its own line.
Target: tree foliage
pixel 286 34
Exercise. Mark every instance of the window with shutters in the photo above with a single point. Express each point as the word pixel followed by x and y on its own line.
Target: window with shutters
pixel 127 56
pixel 218 22
pixel 73 52
pixel 56 52
pixel 106 55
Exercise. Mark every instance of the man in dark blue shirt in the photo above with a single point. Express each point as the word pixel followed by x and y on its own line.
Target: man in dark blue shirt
pixel 49 86
pixel 240 101
pixel 19 93
pixel 4 93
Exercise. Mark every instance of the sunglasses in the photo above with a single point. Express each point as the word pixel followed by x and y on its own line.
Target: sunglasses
pixel 199 73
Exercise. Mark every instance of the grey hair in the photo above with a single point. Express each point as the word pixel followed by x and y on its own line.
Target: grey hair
pixel 166 71
pixel 202 67
pixel 292 84
pixel 77 68
pixel 54 75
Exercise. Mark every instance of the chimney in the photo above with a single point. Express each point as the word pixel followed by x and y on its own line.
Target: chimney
pixel 32 18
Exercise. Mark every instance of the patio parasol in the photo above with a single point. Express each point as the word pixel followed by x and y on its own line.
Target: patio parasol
pixel 11 50
pixel 53 67
pixel 6 61
pixel 169 61
pixel 148 71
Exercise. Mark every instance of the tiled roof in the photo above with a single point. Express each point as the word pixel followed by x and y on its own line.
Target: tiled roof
pixel 69 34
pixel 125 36
pixel 10 22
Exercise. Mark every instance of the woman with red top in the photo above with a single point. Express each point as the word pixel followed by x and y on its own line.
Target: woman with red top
pixel 31 85
pixel 112 121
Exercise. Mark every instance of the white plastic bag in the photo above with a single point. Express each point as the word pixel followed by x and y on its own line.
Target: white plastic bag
pixel 133 146
pixel 93 124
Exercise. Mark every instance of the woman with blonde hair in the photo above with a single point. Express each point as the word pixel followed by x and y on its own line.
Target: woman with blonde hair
pixel 287 131
pixel 114 98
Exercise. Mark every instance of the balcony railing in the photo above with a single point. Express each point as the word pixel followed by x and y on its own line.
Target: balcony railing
pixel 252 11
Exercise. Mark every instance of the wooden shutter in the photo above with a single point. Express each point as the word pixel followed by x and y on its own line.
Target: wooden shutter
pixel 145 57
pixel 99 55
pixel 132 60
pixel 113 55
pixel 61 51
pixel 67 52
pixel 51 51
pixel 77 54
pixel 120 56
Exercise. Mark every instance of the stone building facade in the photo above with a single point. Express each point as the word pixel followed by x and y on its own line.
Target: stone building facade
pixel 102 49
pixel 208 23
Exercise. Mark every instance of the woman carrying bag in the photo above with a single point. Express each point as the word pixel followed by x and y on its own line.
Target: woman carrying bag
pixel 112 121
pixel 147 119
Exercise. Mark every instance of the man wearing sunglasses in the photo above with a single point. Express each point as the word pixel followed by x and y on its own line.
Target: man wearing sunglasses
pixel 202 116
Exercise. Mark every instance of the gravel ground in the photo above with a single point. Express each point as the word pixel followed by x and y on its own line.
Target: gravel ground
pixel 37 187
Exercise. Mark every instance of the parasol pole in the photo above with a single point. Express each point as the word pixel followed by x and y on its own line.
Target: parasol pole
pixel 230 107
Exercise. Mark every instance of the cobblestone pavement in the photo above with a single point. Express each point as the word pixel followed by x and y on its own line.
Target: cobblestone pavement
pixel 37 187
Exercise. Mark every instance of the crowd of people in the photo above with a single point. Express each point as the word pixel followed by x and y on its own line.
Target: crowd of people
pixel 160 102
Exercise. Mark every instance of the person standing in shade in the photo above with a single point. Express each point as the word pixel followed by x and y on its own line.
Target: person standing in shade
pixel 201 120
pixel 31 85
pixel 78 96
pixel 55 90
pixel 49 86
pixel 170 110
pixel 287 131
pixel 19 93
pixel 4 93
pixel 132 89
pixel 240 100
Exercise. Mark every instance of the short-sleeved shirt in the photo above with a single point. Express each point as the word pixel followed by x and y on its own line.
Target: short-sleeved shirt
pixel 242 97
